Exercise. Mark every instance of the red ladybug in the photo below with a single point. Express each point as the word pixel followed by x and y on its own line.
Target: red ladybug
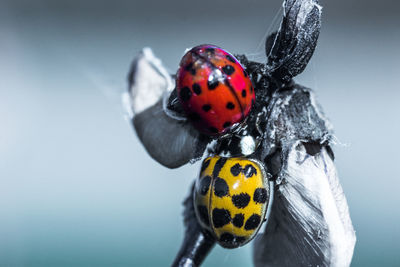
pixel 214 89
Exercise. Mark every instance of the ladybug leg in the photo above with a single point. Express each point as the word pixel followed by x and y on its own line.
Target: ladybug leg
pixel 290 49
pixel 196 243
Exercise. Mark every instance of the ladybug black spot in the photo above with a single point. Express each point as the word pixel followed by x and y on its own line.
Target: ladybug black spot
pixel 213 130
pixel 212 84
pixel 252 222
pixel 196 88
pixel 238 220
pixel 226 238
pixel 204 185
pixel 231 241
pixel 230 105
pixel 189 67
pixel 194 116
pixel 239 239
pixel 203 214
pixel 260 195
pixel 236 169
pixel 249 171
pixel 220 217
pixel 244 93
pixel 228 69
pixel 210 50
pixel 185 93
pixel 226 124
pixel 241 201
pixel 218 166
pixel 205 165
pixel 221 188
pixel 230 59
pixel 206 107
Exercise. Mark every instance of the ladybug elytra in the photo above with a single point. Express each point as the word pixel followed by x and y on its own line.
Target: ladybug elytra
pixel 231 199
pixel 214 89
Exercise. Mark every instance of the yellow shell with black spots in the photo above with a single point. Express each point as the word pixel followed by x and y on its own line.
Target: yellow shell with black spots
pixel 230 199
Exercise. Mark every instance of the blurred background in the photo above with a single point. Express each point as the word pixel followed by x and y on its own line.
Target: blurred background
pixel 76 186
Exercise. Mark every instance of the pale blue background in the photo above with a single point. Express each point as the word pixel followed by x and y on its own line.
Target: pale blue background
pixel 77 187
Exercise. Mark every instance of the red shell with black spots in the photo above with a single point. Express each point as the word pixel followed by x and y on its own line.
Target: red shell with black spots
pixel 214 89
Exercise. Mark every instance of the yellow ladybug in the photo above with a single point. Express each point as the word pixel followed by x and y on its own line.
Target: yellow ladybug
pixel 231 199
